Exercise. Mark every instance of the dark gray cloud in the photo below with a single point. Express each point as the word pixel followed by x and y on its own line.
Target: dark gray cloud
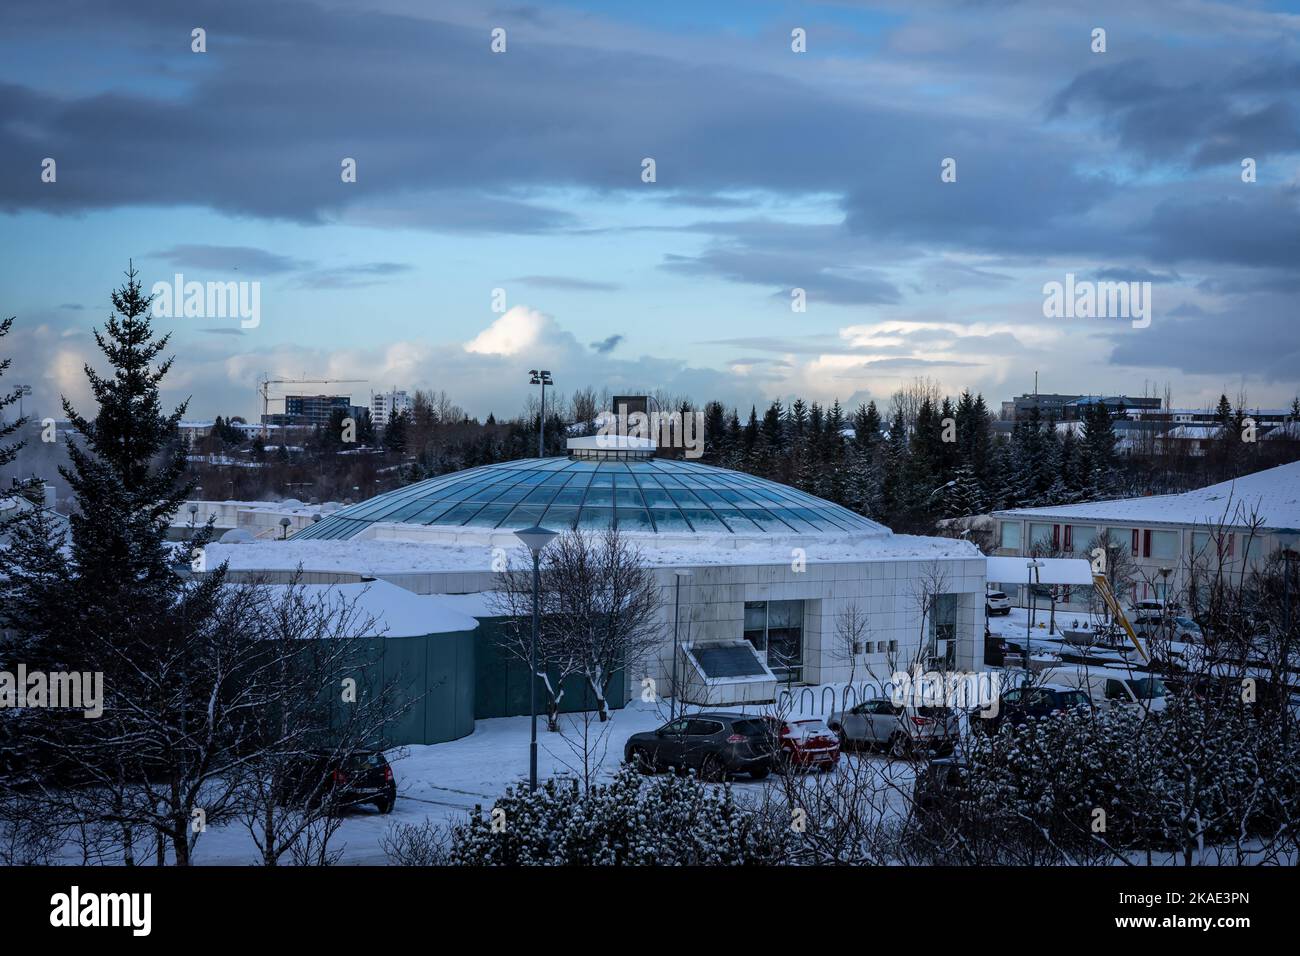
pixel 242 258
pixel 605 346
pixel 567 283
pixel 353 276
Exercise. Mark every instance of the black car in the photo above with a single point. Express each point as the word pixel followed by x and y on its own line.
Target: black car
pixel 1022 703
pixel 711 744
pixel 364 776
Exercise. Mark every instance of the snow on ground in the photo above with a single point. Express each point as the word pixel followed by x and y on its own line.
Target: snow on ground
pixel 444 782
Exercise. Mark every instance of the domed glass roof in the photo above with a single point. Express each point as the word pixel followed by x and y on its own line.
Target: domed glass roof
pixel 649 495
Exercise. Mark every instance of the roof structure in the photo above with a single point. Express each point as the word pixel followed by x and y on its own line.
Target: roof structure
pixel 1273 493
pixel 650 495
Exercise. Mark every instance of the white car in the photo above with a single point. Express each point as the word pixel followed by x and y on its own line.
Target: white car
pixel 996 602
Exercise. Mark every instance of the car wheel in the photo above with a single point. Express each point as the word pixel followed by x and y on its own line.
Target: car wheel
pixel 712 770
pixel 760 773
pixel 899 745
pixel 641 760
pixel 385 804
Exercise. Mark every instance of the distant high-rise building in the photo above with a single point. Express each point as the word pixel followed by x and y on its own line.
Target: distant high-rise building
pixel 310 410
pixel 1071 407
pixel 383 405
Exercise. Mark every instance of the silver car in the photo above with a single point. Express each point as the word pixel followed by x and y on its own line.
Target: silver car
pixel 899 730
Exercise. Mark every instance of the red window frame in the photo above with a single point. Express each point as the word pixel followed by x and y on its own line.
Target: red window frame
pixel 1135 542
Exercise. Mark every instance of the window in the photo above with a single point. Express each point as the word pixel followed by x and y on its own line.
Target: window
pixel 1040 536
pixel 1069 538
pixel 943 629
pixel 1010 540
pixel 1162 544
pixel 775 628
pixel 1135 542
pixel 702 728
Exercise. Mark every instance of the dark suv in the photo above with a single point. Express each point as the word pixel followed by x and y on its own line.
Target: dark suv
pixel 711 744
pixel 1020 704
pixel 364 776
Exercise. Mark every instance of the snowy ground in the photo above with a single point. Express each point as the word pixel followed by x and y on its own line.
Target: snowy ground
pixel 444 782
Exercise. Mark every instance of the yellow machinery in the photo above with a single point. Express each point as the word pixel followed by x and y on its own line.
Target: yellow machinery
pixel 1103 588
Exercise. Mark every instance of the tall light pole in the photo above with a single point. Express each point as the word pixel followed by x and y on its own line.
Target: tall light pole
pixel 677 610
pixel 535 539
pixel 1031 573
pixel 543 378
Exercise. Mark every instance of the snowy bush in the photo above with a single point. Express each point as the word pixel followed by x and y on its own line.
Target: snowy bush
pixel 669 821
pixel 1193 776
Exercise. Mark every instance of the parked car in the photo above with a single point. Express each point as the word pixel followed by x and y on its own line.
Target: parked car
pixel 805 743
pixel 899 730
pixel 1110 687
pixel 996 602
pixel 712 744
pixel 1168 627
pixel 1019 704
pixel 364 776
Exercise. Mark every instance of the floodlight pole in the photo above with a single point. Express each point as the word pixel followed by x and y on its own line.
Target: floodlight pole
pixel 535 539
pixel 677 610
pixel 532 674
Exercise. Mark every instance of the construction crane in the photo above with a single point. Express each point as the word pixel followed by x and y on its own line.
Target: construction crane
pixel 1112 603
pixel 265 382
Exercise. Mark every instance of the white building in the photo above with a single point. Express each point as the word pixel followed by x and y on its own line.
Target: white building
pixel 1165 535
pixel 384 405
pixel 770 567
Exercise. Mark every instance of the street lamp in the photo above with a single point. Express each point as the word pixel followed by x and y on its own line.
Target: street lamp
pixel 543 378
pixel 535 539
pixel 284 528
pixel 677 609
pixel 1031 573
pixel 194 509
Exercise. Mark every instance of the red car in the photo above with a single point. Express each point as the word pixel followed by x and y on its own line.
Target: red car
pixel 807 743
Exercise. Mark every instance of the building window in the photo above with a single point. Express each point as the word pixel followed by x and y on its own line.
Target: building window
pixel 1040 537
pixel 1011 535
pixel 1162 544
pixel 943 631
pixel 775 628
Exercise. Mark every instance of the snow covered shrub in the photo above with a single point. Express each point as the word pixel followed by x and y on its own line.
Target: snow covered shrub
pixel 1198 774
pixel 631 821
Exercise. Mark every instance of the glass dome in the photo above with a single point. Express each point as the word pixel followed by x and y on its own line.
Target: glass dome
pixel 650 495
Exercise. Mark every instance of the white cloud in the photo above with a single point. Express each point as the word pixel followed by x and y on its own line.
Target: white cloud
pixel 518 329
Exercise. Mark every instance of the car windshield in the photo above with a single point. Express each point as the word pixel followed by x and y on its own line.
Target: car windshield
pixel 1147 688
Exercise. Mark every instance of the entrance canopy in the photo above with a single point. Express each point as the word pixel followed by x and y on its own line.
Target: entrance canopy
pixel 1050 571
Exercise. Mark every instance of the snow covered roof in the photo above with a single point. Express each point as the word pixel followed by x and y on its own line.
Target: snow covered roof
pixel 396 612
pixel 1051 571
pixel 383 556
pixel 1274 493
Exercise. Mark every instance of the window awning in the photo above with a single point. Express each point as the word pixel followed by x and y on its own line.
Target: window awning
pixel 1051 571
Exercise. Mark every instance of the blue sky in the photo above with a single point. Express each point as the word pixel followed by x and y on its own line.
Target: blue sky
pixel 521 171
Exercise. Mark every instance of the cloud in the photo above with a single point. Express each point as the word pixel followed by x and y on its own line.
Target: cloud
pixel 566 283
pixel 605 346
pixel 245 259
pixel 518 329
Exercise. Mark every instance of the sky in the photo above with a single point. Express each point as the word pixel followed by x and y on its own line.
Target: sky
pixel 500 219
